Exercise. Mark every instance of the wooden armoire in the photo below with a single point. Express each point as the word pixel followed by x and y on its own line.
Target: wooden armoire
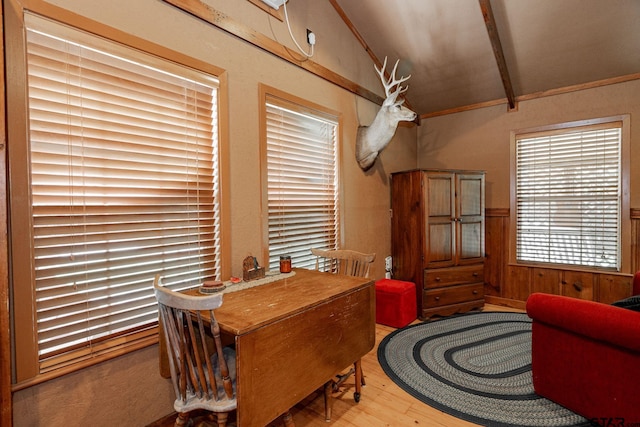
pixel 437 238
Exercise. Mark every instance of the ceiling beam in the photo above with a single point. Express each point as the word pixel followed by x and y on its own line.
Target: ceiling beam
pixel 367 49
pixel 492 29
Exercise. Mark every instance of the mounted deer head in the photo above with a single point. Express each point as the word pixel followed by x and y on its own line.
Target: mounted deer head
pixel 372 139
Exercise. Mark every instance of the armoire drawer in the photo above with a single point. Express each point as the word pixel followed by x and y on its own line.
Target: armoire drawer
pixel 437 278
pixel 453 295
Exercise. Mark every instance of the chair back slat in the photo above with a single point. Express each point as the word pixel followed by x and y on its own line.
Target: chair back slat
pixel 185 356
pixel 194 356
pixel 173 346
pixel 209 388
pixel 227 384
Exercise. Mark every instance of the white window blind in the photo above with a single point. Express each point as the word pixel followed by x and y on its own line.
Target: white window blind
pixel 124 182
pixel 302 171
pixel 569 197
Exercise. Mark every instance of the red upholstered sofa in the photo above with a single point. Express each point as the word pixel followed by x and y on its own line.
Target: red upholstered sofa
pixel 586 356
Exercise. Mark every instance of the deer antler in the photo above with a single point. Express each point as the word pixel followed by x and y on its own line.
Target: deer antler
pixel 391 82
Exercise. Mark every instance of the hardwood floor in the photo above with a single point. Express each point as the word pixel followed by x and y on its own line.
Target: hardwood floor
pixel 383 403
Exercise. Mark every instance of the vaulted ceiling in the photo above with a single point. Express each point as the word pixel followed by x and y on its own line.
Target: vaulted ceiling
pixel 466 53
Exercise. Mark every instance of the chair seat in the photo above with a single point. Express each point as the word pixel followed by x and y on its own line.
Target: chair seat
pixel 223 404
pixel 194 402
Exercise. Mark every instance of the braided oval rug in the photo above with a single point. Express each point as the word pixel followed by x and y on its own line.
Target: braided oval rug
pixel 474 366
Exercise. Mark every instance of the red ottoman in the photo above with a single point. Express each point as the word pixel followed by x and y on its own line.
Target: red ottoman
pixel 395 302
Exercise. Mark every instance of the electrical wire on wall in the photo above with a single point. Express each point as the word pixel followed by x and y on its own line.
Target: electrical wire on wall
pixel 312 40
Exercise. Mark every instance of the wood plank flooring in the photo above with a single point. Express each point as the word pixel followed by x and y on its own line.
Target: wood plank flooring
pixel 383 403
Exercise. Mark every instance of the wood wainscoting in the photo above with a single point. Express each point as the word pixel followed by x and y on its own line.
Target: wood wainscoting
pixel 511 285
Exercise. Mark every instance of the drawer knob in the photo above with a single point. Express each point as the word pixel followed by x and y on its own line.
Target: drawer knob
pixel 475 274
pixel 437 298
pixel 475 292
pixel 437 279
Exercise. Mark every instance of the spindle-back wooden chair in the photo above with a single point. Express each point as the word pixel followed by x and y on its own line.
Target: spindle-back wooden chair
pixel 348 263
pixel 343 261
pixel 203 375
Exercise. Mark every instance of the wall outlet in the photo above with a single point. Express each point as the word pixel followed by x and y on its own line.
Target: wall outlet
pixel 311 37
pixel 388 263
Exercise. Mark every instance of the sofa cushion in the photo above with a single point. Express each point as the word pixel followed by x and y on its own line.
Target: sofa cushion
pixel 632 303
pixel 593 320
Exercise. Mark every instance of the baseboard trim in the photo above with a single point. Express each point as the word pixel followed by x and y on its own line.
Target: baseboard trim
pixel 520 305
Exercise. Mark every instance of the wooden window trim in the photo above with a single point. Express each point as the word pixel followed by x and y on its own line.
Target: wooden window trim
pixel 25 371
pixel 625 220
pixel 303 106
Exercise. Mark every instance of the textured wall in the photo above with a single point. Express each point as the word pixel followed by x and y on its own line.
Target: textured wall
pixel 480 139
pixel 128 391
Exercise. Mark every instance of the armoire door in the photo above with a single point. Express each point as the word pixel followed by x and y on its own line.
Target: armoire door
pixel 469 218
pixel 439 193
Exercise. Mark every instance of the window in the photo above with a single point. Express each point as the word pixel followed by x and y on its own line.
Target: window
pixel 569 196
pixel 301 179
pixel 123 161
